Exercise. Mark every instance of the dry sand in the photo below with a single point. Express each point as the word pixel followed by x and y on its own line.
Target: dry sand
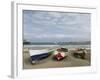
pixel 69 61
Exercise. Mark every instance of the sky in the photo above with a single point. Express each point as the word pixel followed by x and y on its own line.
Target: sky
pixel 48 26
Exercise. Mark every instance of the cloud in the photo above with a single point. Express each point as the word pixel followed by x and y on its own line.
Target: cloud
pixel 44 26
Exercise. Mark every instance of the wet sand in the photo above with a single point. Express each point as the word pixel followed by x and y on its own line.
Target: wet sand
pixel 69 61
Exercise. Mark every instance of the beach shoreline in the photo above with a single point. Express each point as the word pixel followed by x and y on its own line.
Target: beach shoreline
pixel 69 61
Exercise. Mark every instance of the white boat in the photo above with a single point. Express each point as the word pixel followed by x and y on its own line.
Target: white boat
pixel 36 55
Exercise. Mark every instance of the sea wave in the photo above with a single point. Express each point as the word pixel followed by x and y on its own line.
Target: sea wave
pixel 66 46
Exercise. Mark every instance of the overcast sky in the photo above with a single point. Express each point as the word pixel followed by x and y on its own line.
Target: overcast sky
pixel 44 26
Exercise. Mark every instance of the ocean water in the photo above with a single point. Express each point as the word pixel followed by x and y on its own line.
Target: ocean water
pixel 65 46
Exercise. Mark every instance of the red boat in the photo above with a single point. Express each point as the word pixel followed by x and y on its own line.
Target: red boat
pixel 59 55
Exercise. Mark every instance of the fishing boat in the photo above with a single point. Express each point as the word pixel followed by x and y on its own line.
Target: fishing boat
pixel 80 53
pixel 36 55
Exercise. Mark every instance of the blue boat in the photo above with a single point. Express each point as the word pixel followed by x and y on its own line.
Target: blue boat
pixel 36 55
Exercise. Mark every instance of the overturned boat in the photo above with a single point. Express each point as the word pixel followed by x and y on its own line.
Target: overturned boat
pixel 36 55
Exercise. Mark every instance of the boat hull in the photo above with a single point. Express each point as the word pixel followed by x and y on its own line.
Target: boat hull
pixel 36 55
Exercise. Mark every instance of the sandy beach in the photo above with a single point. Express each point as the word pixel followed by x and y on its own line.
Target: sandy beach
pixel 69 61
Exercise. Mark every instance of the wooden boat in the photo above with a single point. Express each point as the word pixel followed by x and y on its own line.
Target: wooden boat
pixel 36 55
pixel 80 53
